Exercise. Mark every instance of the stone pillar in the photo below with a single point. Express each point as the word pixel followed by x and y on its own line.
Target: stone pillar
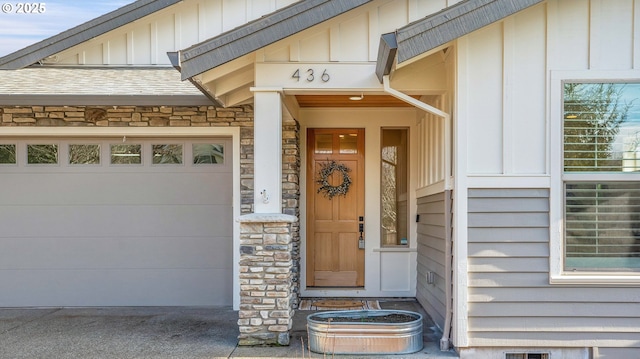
pixel 266 286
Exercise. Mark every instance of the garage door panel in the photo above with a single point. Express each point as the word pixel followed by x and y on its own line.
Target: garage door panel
pixel 117 235
pixel 115 221
pixel 113 253
pixel 115 188
pixel 116 287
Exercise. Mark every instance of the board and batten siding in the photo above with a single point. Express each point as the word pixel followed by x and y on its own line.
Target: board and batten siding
pixel 146 41
pixel 511 302
pixel 502 69
pixel 434 229
pixel 353 36
pixel 508 63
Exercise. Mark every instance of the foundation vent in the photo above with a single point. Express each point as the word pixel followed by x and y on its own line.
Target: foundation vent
pixel 526 356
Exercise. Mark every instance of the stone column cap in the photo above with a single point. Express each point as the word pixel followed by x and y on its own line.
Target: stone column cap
pixel 267 218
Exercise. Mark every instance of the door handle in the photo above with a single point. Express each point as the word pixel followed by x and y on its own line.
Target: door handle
pixel 361 230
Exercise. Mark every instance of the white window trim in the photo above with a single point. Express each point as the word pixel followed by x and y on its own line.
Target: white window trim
pixel 557 274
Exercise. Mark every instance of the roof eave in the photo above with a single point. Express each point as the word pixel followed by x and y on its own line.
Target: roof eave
pixel 257 34
pixel 453 22
pixel 174 58
pixel 386 55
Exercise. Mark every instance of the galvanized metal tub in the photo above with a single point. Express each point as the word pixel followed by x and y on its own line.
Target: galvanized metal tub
pixel 358 332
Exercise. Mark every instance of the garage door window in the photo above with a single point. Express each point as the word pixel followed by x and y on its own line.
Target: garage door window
pixel 167 154
pixel 84 154
pixel 208 153
pixel 126 154
pixel 8 154
pixel 42 154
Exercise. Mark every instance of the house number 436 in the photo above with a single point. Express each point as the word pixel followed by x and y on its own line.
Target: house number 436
pixel 310 75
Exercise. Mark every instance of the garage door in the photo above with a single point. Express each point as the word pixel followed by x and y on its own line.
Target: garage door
pixel 116 222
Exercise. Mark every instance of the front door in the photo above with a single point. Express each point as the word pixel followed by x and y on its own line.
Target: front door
pixel 335 207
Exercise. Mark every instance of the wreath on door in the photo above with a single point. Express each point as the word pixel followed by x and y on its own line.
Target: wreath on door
pixel 326 170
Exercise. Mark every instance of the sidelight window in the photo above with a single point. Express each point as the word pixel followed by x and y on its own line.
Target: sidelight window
pixel 394 169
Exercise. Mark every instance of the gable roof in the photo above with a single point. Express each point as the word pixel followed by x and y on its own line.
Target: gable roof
pixel 407 42
pixel 453 22
pixel 435 30
pixel 260 33
pixel 90 29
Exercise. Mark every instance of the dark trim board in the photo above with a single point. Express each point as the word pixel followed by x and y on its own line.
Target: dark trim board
pixel 453 22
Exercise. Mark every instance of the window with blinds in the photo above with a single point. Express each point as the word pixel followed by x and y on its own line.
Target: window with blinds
pixel 601 154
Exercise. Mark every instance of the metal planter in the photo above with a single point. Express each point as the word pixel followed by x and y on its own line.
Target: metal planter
pixel 358 332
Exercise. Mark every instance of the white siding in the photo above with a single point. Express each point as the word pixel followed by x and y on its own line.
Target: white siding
pixel 524 95
pixel 485 77
pixel 146 41
pixel 431 155
pixel 505 96
pixel 353 36
pixel 593 35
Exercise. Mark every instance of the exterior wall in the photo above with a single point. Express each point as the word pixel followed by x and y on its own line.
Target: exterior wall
pixel 508 263
pixel 146 41
pixel 291 196
pixel 266 286
pixel 183 116
pixel 511 302
pixel 506 65
pixel 504 150
pixel 351 37
pixel 434 229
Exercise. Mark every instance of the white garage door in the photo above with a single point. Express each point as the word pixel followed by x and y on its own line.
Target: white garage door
pixel 116 222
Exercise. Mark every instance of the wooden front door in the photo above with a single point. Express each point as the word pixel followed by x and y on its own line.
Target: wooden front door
pixel 335 209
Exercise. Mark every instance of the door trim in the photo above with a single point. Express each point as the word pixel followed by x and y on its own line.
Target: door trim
pixel 371 119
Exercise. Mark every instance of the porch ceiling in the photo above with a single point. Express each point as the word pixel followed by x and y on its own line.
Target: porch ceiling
pixel 344 101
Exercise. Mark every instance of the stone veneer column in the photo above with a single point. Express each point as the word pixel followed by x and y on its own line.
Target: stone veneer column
pixel 266 286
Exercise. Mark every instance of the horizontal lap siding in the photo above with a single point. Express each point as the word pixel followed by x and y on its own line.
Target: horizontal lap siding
pixel 432 234
pixel 511 302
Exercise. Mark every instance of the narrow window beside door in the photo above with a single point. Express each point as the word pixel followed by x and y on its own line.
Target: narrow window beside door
pixel 393 187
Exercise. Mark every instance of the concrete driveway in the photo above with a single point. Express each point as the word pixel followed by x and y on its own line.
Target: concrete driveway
pixel 156 332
